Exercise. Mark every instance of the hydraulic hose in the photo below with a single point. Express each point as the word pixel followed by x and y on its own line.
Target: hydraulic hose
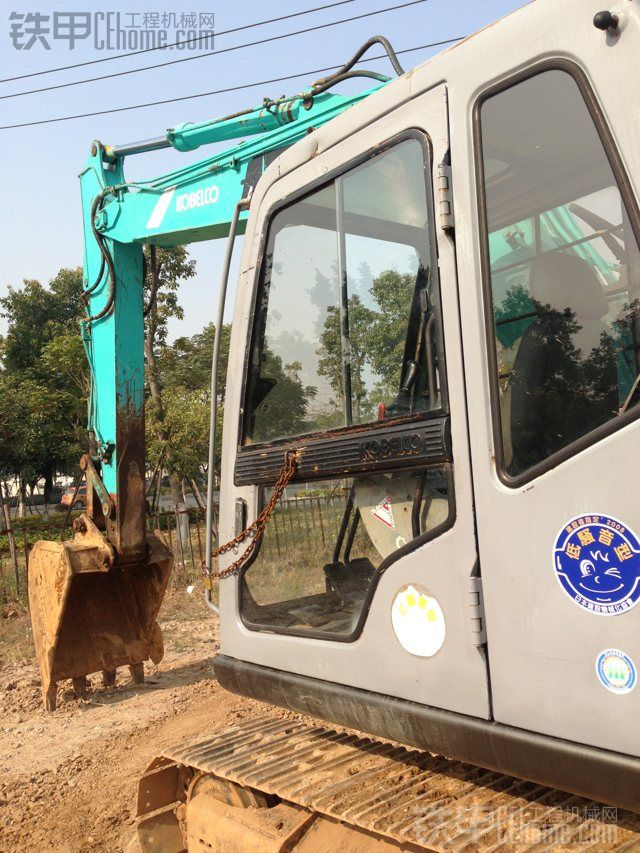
pixel 328 83
pixel 97 203
pixel 215 363
pixel 107 259
pixel 90 290
pixel 324 83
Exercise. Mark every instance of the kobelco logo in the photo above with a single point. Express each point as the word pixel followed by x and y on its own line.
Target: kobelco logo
pixel 198 198
pixel 399 445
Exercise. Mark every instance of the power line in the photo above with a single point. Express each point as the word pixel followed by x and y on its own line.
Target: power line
pixel 176 43
pixel 221 91
pixel 214 52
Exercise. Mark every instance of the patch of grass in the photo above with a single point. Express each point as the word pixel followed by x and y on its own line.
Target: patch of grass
pixel 16 642
pixel 182 606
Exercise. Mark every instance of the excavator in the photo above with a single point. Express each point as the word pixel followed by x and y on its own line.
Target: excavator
pixel 435 359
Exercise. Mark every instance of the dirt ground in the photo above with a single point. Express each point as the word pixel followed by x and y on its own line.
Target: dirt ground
pixel 68 779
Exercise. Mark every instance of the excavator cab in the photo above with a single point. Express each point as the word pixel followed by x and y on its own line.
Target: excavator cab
pixel 354 383
pixel 457 563
pixel 437 319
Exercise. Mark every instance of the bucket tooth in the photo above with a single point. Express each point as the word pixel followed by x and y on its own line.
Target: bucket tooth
pixel 50 697
pixel 137 672
pixel 109 677
pixel 92 613
pixel 80 687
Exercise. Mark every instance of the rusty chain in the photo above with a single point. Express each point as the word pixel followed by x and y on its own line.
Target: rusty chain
pixel 257 527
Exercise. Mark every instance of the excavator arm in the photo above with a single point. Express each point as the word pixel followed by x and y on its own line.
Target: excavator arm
pixel 191 204
pixel 94 600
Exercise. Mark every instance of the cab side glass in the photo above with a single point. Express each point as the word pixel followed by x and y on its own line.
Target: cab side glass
pixel 564 271
pixel 324 545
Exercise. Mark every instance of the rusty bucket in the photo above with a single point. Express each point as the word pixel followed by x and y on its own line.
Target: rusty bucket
pixel 91 614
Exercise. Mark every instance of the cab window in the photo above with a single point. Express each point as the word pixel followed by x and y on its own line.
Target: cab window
pixel 346 294
pixel 564 271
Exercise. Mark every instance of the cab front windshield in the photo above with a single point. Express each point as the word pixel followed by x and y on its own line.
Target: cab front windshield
pixel 345 325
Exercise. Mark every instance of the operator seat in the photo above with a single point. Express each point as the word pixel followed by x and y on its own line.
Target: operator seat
pixel 564 380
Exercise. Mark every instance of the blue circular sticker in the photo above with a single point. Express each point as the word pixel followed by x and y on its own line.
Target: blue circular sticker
pixel 616 671
pixel 597 562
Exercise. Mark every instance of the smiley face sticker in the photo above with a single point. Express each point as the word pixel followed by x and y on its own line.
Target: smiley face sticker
pixel 597 563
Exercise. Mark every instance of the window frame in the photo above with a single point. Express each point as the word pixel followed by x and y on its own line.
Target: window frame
pixel 610 150
pixel 431 239
pixel 295 441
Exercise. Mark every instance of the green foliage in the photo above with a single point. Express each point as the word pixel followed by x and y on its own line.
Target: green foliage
pixel 330 357
pixel 64 364
pixel 44 378
pixel 174 267
pixel 37 315
pixel 39 435
pixel 386 337
pixel 32 529
pixel 174 420
pixel 377 337
pixel 286 403
pixel 516 303
pixel 187 362
pixel 181 438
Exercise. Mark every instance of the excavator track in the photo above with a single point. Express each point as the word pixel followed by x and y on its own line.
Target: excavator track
pixel 389 796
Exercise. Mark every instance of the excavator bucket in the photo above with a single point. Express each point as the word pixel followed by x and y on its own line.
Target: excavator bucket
pixel 90 613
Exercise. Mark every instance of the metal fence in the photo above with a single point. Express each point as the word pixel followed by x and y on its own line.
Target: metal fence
pixel 184 532
pixel 312 522
pixel 300 523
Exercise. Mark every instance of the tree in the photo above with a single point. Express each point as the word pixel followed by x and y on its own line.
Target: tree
pixel 330 356
pixel 45 378
pixel 187 362
pixel 40 438
pixel 386 335
pixel 377 339
pixel 36 315
pixel 281 388
pixel 181 440
pixel 185 367
pixel 513 315
pixel 171 267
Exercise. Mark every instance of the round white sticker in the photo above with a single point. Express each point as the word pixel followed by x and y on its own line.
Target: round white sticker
pixel 616 671
pixel 418 621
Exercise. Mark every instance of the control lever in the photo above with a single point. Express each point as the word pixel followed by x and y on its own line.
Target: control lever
pixel 410 373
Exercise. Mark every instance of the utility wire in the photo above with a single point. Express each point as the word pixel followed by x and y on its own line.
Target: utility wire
pixel 214 52
pixel 175 43
pixel 220 91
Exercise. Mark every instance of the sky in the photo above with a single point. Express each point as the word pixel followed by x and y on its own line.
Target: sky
pixel 40 218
